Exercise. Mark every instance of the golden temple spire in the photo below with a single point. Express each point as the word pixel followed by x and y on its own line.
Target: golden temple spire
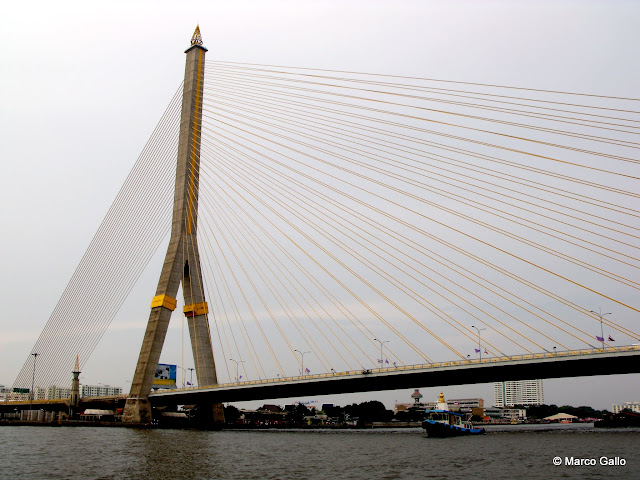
pixel 197 38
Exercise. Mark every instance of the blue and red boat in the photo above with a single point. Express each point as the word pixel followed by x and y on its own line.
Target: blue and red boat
pixel 442 422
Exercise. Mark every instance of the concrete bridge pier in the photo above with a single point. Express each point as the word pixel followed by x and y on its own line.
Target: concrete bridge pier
pixel 209 416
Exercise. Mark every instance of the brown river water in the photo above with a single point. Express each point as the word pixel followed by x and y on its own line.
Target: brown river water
pixel 504 452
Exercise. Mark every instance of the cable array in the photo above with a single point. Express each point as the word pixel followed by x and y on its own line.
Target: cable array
pixel 127 238
pixel 371 220
pixel 350 207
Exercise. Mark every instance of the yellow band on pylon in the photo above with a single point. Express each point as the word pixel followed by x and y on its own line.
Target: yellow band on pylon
pixel 196 309
pixel 164 301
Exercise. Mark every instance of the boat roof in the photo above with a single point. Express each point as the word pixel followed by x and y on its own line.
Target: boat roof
pixel 445 411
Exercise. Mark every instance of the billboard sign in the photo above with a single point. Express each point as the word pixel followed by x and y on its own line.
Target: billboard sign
pixel 165 376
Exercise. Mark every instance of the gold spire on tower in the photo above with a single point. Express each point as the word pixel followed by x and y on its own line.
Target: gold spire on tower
pixel 197 38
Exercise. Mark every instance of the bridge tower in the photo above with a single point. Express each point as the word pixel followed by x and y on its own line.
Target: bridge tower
pixel 182 261
pixel 74 401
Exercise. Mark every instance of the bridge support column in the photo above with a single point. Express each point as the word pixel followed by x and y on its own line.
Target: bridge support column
pixel 210 416
pixel 182 262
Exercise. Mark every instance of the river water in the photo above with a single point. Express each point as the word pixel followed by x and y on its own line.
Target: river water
pixel 126 453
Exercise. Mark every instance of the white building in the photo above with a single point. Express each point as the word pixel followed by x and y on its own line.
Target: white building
pixel 633 406
pixel 99 391
pixel 520 392
pixel 3 392
pixel 17 396
pixel 500 413
pixel 464 405
pixel 54 393
pixel 39 393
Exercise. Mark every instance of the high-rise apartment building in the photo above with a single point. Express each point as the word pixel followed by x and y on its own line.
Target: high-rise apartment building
pixel 100 391
pixel 633 406
pixel 519 392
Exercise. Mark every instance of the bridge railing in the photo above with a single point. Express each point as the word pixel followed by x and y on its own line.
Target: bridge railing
pixel 400 368
pixel 50 401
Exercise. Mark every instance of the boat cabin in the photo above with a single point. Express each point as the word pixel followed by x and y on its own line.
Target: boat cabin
pixel 445 416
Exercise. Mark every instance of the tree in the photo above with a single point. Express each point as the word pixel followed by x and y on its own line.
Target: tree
pixel 368 412
pixel 297 413
pixel 540 411
pixel 231 414
pixel 335 412
pixel 411 415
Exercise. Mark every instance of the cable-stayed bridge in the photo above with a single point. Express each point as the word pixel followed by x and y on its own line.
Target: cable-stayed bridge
pixel 351 221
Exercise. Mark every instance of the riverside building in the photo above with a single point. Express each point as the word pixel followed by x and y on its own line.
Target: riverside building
pixel 520 392
pixel 633 406
pixel 100 391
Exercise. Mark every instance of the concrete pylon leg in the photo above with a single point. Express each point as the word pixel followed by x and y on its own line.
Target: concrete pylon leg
pixel 182 262
pixel 137 408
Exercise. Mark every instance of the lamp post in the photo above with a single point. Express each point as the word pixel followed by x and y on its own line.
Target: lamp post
pixel 600 314
pixel 479 347
pixel 237 364
pixel 33 378
pixel 381 344
pixel 302 354
pixel 183 374
pixel 191 369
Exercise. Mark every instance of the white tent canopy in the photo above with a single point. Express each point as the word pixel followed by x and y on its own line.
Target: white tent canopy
pixel 561 416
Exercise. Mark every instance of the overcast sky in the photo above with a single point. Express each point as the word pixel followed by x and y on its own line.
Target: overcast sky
pixel 86 82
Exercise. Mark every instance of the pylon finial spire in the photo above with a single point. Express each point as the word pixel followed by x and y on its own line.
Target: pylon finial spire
pixel 197 38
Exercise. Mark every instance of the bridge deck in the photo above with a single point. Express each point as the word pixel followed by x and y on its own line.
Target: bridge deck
pixel 571 363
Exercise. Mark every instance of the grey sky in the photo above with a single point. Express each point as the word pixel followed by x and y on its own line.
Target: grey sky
pixel 85 84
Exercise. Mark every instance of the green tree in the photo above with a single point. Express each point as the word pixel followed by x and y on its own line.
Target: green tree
pixel 231 414
pixel 368 412
pixel 297 414
pixel 539 411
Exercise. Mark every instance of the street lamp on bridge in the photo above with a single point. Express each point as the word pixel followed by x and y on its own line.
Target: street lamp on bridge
pixel 302 354
pixel 33 378
pixel 184 374
pixel 479 346
pixel 237 364
pixel 381 344
pixel 600 314
pixel 191 369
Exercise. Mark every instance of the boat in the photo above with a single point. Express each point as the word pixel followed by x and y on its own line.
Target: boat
pixel 624 419
pixel 442 422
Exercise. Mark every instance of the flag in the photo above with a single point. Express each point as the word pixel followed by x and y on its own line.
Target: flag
pixel 611 339
pixel 386 360
pixel 486 352
pixel 477 351
pixel 239 377
pixel 307 370
pixel 379 361
pixel 188 383
pixel 600 339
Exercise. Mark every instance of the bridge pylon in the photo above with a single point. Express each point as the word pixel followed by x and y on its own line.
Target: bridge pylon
pixel 182 261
